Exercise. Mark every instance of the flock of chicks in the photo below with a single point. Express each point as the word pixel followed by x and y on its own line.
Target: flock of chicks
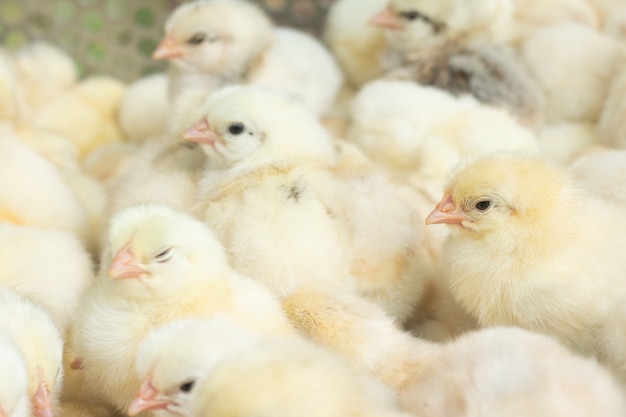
pixel 251 234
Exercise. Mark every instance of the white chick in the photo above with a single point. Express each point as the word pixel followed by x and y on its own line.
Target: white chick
pixel 212 43
pixel 512 372
pixel 290 378
pixel 420 132
pixel 57 279
pixel 160 265
pixel 175 358
pixel 574 65
pixel 47 202
pixel 86 114
pixel 143 109
pixel 529 247
pixel 287 217
pixel 39 340
pixel 13 380
pixel 602 173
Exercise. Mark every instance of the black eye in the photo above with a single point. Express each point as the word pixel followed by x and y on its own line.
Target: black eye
pixel 236 128
pixel 197 38
pixel 412 15
pixel 164 255
pixel 187 386
pixel 483 205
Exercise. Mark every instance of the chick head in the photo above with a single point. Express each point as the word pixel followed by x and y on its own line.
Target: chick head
pixel 218 37
pixel 13 380
pixel 156 251
pixel 257 125
pixel 500 192
pixel 34 332
pixel 175 358
pixel 413 25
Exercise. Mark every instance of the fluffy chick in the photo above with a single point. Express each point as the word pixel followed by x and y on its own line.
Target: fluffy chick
pixel 34 332
pixel 159 265
pixel 57 279
pixel 289 378
pixel 212 43
pixel 504 371
pixel 528 247
pixel 272 183
pixel 13 381
pixel 175 358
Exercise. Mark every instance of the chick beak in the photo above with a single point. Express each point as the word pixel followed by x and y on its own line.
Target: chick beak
pixel 42 403
pixel 386 19
pixel 168 49
pixel 201 132
pixel 445 212
pixel 146 399
pixel 124 266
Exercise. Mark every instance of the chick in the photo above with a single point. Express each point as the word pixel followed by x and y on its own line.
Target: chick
pixel 420 132
pixel 175 358
pixel 212 43
pixel 13 381
pixel 290 378
pixel 33 331
pixel 159 265
pixel 288 217
pixel 528 247
pixel 504 371
pixel 57 279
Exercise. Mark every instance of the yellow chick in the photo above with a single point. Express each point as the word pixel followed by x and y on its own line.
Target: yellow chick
pixel 175 358
pixel 529 247
pixel 13 380
pixel 291 377
pixel 212 43
pixel 512 372
pixel 35 334
pixel 159 265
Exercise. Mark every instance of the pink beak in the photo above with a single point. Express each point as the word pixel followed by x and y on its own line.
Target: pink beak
pixel 167 49
pixel 386 19
pixel 42 403
pixel 201 132
pixel 146 399
pixel 124 266
pixel 445 212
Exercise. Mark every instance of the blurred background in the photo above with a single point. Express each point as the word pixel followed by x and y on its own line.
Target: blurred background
pixel 117 37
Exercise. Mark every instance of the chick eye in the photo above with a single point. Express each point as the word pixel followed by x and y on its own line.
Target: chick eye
pixel 163 256
pixel 483 205
pixel 411 15
pixel 236 128
pixel 187 386
pixel 197 38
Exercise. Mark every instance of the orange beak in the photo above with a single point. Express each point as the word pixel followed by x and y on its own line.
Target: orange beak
pixel 41 401
pixel 201 132
pixel 124 266
pixel 168 49
pixel 386 19
pixel 146 399
pixel 445 212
